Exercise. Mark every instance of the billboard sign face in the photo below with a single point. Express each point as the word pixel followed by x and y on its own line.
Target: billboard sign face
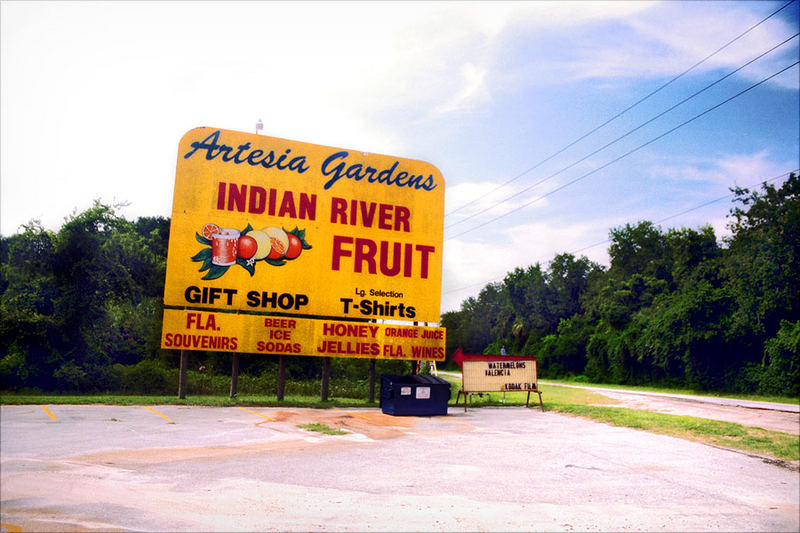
pixel 272 225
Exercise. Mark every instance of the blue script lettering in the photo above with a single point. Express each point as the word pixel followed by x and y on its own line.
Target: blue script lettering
pixel 243 154
pixel 338 170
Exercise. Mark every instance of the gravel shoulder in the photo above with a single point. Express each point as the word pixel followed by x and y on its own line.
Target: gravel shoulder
pixel 772 416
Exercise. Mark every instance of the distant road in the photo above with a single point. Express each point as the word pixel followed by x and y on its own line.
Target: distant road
pixel 729 402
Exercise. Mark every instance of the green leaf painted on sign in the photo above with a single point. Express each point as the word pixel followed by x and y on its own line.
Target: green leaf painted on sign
pixel 215 272
pixel 202 240
pixel 202 255
pixel 251 268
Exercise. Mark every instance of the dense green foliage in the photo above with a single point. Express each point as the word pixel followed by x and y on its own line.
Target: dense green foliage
pixel 80 309
pixel 674 307
pixel 76 303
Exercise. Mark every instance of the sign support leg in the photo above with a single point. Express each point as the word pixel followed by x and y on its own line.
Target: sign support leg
pixel 234 375
pixel 372 381
pixel 326 377
pixel 182 375
pixel 415 363
pixel 281 377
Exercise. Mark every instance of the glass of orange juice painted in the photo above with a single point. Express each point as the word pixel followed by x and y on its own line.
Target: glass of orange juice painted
pixel 224 247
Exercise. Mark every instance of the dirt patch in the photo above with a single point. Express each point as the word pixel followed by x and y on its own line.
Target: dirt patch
pixel 371 424
pixel 282 435
pixel 54 521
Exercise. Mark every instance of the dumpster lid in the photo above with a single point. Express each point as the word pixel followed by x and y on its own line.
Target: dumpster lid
pixel 415 379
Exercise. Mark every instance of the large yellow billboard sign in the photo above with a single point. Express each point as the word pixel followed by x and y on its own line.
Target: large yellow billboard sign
pixel 231 332
pixel 267 224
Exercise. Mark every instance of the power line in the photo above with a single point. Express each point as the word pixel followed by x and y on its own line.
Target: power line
pixel 700 206
pixel 640 126
pixel 537 165
pixel 626 154
pixel 695 208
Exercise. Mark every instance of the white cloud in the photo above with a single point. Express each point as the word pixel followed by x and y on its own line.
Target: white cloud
pixel 744 170
pixel 474 91
pixel 470 264
pixel 673 36
pixel 93 105
pixel 615 41
pixel 474 202
pixel 721 171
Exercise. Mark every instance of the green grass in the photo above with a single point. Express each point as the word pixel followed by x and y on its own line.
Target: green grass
pixel 322 428
pixel 577 402
pixel 716 432
pixel 241 400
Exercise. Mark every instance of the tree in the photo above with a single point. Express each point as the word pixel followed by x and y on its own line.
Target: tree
pixel 638 249
pixel 685 334
pixel 763 259
pixel 525 309
pixel 781 364
pixel 693 256
pixel 569 278
pixel 74 303
pixel 28 325
pixel 471 327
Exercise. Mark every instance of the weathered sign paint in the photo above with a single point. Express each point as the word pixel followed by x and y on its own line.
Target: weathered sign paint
pixel 232 332
pixel 272 225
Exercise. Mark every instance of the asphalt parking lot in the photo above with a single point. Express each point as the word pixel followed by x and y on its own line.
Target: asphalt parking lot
pixel 111 468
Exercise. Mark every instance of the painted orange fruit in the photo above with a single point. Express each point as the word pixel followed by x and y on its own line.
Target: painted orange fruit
pixel 295 246
pixel 279 242
pixel 209 230
pixel 247 247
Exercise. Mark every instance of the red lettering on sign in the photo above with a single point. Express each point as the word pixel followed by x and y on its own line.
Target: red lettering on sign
pixel 258 200
pixel 283 323
pixel 372 257
pixel 369 214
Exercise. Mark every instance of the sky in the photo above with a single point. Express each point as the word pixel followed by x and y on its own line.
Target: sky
pixel 500 97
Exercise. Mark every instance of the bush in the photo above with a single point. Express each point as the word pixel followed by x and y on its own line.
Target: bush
pixel 145 377
pixel 71 377
pixel 781 374
pixel 13 369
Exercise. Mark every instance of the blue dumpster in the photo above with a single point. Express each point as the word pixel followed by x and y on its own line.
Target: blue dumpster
pixel 414 395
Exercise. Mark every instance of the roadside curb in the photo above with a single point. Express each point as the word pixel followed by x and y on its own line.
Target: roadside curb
pixel 789 465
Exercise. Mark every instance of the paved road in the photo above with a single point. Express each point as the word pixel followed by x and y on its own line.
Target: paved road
pixel 78 468
pixel 772 416
pixel 767 415
pixel 729 402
